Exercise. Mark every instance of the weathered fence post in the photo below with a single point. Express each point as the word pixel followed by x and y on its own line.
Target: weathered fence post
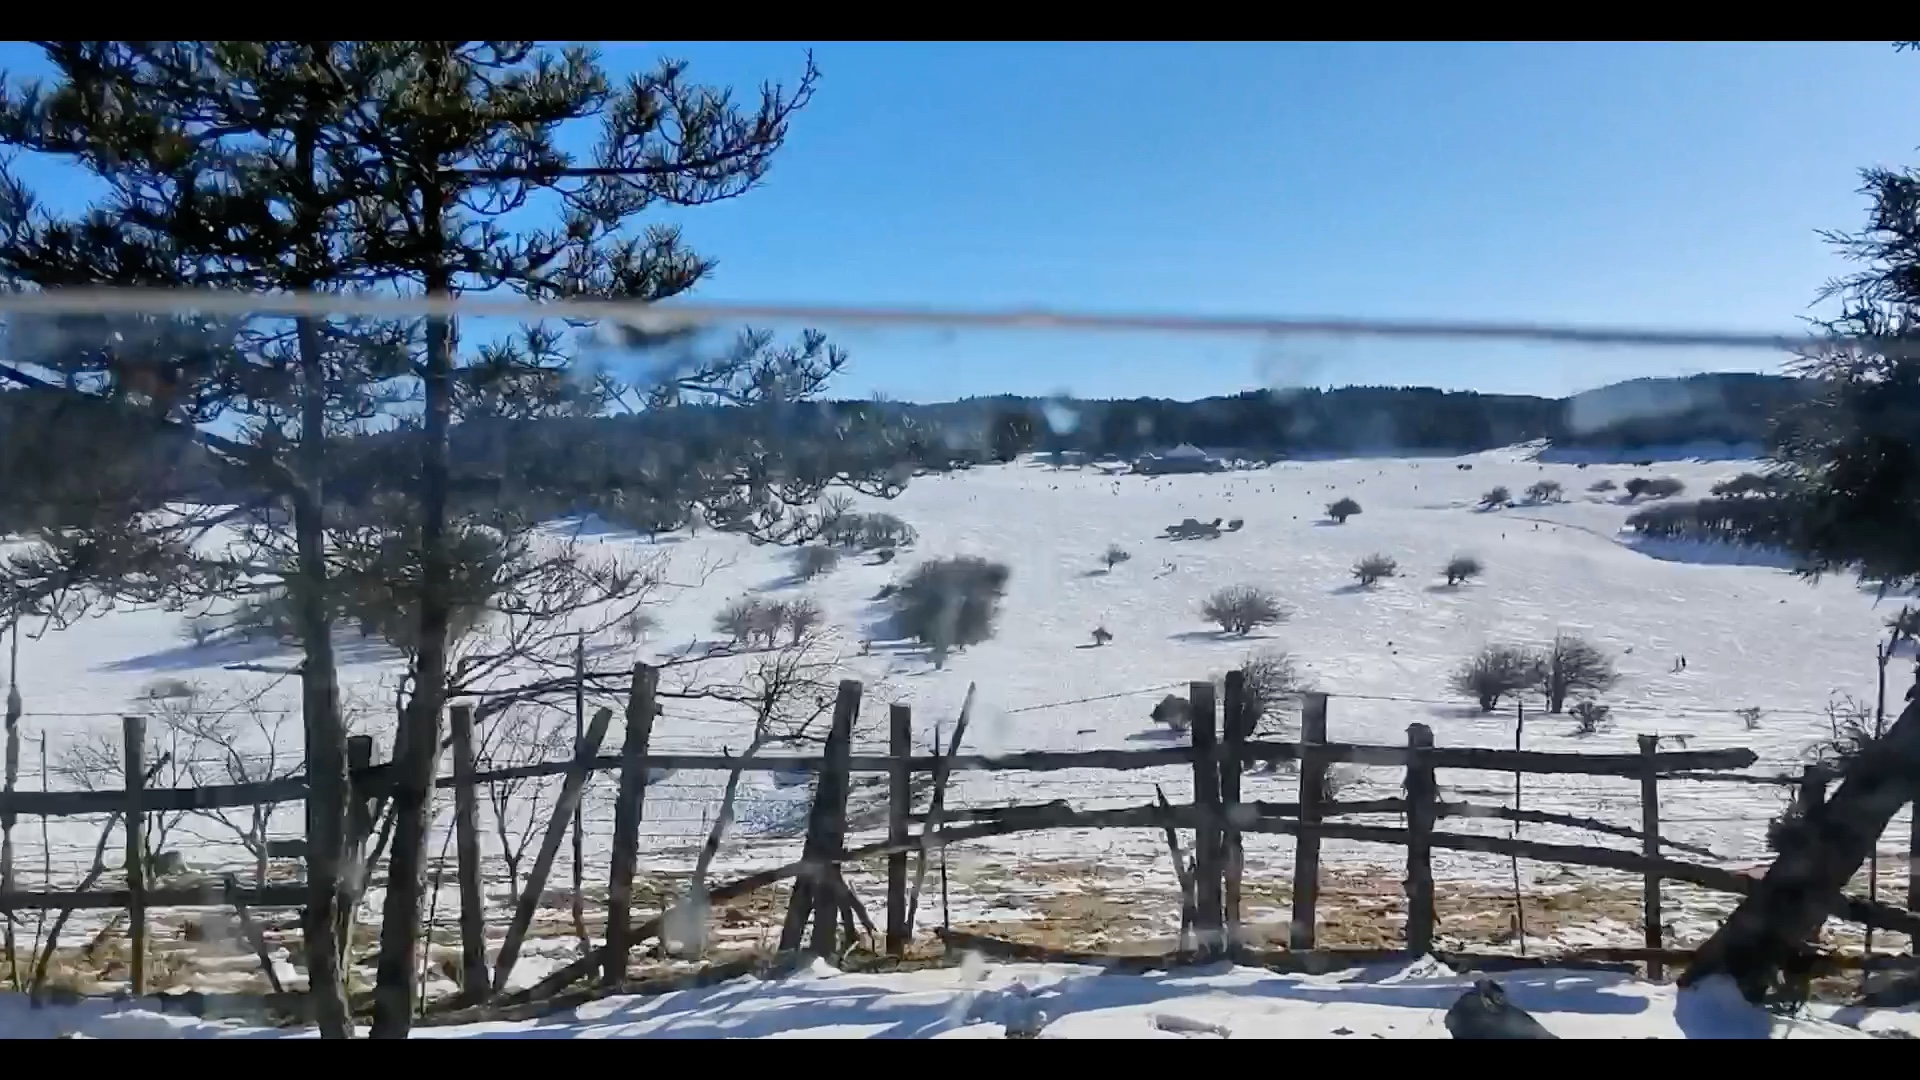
pixel 570 789
pixel 626 820
pixel 899 805
pixel 466 828
pixel 1421 811
pixel 1207 818
pixel 11 781
pixel 1913 869
pixel 830 887
pixel 354 848
pixel 1237 727
pixel 579 905
pixel 134 728
pixel 1650 846
pixel 814 891
pixel 1306 849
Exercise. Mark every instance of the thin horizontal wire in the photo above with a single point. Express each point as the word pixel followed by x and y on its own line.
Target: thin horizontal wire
pixel 693 313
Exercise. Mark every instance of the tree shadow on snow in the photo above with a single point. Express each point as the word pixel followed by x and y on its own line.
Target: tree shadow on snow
pixel 1216 635
pixel 348 649
pixel 752 1008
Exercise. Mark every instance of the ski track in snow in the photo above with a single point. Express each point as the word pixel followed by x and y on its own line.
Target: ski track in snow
pixel 1751 634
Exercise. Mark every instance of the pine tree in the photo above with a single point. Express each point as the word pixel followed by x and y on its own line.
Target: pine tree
pixel 389 165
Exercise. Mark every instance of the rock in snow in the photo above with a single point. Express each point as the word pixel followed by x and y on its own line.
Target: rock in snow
pixel 1485 1013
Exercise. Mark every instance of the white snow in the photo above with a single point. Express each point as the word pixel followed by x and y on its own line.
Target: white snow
pixel 1057 1001
pixel 1752 635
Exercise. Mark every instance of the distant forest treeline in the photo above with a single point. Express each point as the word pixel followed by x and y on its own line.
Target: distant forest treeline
pixel 45 439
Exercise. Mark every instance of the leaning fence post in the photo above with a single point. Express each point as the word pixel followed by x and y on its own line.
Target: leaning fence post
pixel 1913 869
pixel 813 888
pixel 626 819
pixel 1421 810
pixel 1206 825
pixel 570 790
pixel 831 802
pixel 899 805
pixel 134 728
pixel 1306 849
pixel 1232 853
pixel 1650 846
pixel 466 827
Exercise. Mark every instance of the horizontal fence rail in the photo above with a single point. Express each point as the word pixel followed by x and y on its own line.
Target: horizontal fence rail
pixel 377 780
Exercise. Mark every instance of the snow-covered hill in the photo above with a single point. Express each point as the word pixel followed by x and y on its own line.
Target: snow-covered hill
pixel 1751 635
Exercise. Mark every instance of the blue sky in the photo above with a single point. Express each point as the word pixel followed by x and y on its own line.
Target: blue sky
pixel 1652 185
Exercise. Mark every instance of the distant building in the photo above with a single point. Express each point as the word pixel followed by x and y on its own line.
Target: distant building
pixel 1185 458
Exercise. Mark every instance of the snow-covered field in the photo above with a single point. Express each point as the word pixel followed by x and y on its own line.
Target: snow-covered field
pixel 1058 1001
pixel 1752 635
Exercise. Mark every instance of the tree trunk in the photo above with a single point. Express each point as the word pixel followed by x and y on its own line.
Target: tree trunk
pixel 406 868
pixel 1803 886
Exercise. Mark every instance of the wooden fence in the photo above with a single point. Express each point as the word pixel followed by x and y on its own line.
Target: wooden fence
pixel 822 908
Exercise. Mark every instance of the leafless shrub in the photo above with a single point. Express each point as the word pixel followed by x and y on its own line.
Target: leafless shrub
pixel 1373 568
pixel 1271 682
pixel 886 531
pixel 195 739
pixel 1750 716
pixel 1850 731
pixel 1341 509
pixel 1588 716
pixel 1573 665
pixel 791 691
pixel 1115 555
pixel 636 626
pixel 1101 635
pixel 1495 498
pixel 1496 671
pixel 1240 609
pixel 1600 487
pixel 1461 568
pixel 802 615
pixel 1657 487
pixel 740 619
pixel 1545 491
pixel 517 736
pixel 813 561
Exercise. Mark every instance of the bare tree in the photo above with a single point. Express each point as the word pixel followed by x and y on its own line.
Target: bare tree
pixel 1496 671
pixel 789 691
pixel 1240 609
pixel 227 741
pixel 1496 498
pixel 1341 509
pixel 1601 487
pixel 738 619
pixel 1574 665
pixel 1271 681
pixel 1545 491
pixel 1114 556
pixel 1461 568
pixel 803 615
pixel 522 735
